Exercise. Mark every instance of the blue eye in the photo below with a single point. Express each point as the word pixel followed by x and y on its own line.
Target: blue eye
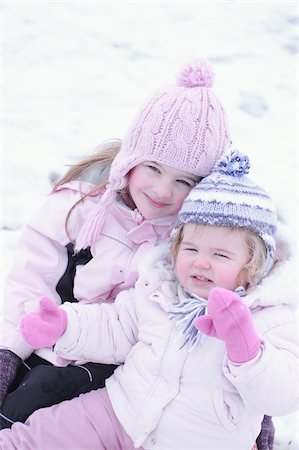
pixel 221 255
pixel 185 183
pixel 154 168
pixel 190 249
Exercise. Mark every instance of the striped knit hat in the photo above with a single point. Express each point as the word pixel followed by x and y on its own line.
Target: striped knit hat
pixel 181 125
pixel 229 198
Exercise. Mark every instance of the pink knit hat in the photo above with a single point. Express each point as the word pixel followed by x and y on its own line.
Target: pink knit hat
pixel 183 126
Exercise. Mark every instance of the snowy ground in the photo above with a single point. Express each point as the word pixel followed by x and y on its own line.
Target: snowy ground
pixel 74 72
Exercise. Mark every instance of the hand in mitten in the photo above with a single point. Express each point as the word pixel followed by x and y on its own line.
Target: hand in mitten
pixel 44 328
pixel 229 319
pixel 9 363
pixel 265 440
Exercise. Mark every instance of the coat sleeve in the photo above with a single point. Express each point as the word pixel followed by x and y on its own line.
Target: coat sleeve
pixel 39 263
pixel 100 332
pixel 271 380
pixel 269 384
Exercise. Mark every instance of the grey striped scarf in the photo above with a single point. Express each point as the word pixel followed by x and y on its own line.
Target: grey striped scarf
pixel 187 311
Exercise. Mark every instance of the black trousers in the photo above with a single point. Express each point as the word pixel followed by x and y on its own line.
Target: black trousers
pixel 39 384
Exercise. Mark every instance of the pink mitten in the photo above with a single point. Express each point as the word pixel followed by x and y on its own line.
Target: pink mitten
pixel 43 328
pixel 230 320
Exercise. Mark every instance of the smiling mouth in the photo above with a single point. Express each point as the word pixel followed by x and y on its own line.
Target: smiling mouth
pixel 201 278
pixel 156 203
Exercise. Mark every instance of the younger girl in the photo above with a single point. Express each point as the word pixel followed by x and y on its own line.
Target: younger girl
pixel 86 243
pixel 202 363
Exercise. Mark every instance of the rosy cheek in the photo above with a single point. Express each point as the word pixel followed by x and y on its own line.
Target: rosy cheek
pixel 180 200
pixel 222 274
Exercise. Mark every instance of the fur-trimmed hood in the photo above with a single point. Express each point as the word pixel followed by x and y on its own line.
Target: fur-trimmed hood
pixel 280 286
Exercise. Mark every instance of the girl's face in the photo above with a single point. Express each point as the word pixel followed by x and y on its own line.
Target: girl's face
pixel 159 190
pixel 210 256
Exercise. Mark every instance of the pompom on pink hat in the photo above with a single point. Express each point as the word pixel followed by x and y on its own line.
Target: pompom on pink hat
pixel 183 126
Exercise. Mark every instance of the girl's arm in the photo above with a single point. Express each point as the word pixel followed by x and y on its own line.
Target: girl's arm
pixel 262 350
pixel 103 332
pixel 39 263
pixel 269 383
pixel 91 332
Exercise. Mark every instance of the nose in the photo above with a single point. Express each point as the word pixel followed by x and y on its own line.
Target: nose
pixel 202 262
pixel 163 190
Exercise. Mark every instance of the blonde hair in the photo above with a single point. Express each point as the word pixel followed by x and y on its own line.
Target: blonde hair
pixel 103 157
pixel 251 272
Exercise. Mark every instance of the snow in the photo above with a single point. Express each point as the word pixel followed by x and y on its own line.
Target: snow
pixel 74 73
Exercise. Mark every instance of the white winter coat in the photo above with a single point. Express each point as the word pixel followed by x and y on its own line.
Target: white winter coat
pixel 167 397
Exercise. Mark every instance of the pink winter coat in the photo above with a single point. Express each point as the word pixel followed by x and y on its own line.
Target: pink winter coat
pixel 167 397
pixel 41 259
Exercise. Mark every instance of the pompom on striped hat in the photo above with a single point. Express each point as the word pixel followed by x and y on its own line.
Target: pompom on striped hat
pixel 229 198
